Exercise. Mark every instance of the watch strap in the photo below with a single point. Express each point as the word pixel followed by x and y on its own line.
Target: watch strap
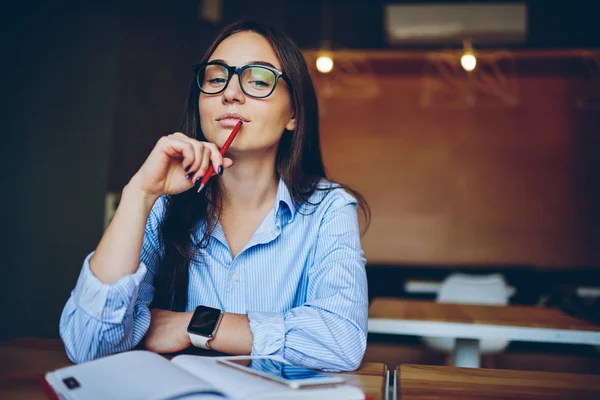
pixel 200 341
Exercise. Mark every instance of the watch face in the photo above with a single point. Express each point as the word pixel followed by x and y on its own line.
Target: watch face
pixel 204 320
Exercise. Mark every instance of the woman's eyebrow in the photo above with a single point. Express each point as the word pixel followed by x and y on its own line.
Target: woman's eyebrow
pixel 268 64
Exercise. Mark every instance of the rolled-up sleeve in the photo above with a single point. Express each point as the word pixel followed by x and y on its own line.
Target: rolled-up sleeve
pixel 329 331
pixel 101 319
pixel 268 332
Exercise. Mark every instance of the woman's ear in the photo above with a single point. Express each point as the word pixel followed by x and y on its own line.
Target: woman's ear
pixel 291 125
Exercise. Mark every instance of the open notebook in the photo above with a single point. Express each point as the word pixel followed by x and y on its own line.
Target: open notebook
pixel 145 375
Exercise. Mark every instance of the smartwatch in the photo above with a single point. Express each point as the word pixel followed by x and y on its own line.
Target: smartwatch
pixel 203 325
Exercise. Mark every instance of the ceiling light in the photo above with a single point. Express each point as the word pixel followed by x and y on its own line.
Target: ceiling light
pixel 324 64
pixel 468 60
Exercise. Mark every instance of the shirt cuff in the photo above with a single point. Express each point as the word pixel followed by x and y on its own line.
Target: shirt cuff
pixel 268 332
pixel 107 303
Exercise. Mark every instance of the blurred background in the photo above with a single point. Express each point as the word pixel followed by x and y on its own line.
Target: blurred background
pixel 472 129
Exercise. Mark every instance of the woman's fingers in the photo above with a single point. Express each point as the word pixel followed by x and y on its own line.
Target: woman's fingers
pixel 179 149
pixel 216 157
pixel 204 154
pixel 189 166
pixel 193 170
pixel 200 157
pixel 227 162
pixel 181 135
pixel 205 164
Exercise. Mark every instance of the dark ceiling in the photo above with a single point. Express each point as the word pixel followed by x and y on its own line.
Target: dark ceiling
pixel 349 24
pixel 359 23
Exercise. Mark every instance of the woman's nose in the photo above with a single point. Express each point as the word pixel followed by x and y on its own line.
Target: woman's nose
pixel 233 92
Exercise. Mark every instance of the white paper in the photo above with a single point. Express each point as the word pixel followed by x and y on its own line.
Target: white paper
pixel 131 375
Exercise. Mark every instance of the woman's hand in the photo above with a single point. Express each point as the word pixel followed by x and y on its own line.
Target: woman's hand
pixel 175 164
pixel 168 331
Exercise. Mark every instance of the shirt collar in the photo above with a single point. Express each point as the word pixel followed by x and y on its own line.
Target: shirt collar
pixel 284 206
pixel 284 198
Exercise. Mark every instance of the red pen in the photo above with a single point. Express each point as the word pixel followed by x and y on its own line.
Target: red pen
pixel 223 150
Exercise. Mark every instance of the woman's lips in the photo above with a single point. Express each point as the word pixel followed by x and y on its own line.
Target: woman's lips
pixel 229 122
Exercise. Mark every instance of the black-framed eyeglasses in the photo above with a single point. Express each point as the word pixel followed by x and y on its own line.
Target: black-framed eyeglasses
pixel 256 80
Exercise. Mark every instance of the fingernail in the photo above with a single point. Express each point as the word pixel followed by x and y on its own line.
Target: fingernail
pixel 188 168
pixel 197 180
pixel 220 170
pixel 188 176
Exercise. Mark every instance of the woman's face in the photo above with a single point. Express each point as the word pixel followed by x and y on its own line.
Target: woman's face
pixel 264 119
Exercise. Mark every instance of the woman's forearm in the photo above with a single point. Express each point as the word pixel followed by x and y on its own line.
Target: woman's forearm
pixel 118 253
pixel 234 335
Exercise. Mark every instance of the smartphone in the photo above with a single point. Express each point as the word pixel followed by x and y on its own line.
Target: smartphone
pixel 288 374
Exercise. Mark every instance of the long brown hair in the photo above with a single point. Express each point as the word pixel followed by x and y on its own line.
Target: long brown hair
pixel 299 165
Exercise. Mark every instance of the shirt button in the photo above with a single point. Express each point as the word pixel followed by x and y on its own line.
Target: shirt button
pixel 235 277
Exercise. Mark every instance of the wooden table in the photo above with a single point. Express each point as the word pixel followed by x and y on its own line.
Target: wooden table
pixel 428 382
pixel 468 324
pixel 24 361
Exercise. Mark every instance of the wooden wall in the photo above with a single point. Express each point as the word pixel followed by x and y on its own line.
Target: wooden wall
pixel 502 185
pixel 478 185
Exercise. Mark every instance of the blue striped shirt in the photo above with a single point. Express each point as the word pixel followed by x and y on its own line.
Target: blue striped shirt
pixel 300 279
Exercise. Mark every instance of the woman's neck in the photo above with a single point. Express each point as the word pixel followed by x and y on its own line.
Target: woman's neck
pixel 250 184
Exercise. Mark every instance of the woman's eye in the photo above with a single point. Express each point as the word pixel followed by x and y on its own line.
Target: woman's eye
pixel 259 83
pixel 216 81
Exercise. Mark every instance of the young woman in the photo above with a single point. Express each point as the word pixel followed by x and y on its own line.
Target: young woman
pixel 265 260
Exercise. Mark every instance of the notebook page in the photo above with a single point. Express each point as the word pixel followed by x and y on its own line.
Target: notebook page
pixel 128 376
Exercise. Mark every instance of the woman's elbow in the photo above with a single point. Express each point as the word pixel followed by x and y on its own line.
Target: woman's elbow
pixel 357 354
pixel 82 342
pixel 77 357
pixel 351 355
pixel 79 347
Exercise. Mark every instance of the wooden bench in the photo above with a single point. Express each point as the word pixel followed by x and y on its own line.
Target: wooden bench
pixel 428 382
